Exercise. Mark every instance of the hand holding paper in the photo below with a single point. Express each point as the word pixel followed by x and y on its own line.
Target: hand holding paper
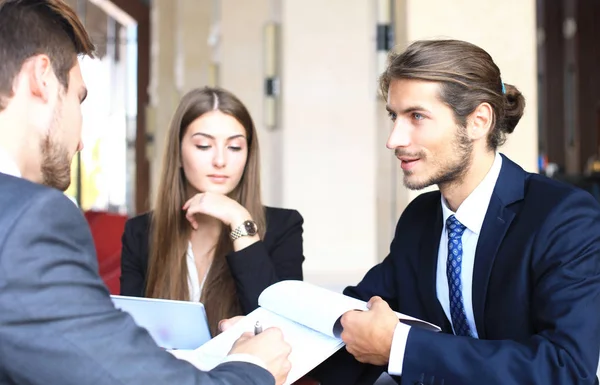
pixel 368 334
pixel 309 318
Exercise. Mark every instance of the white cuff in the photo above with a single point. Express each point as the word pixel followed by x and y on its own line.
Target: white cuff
pixel 398 347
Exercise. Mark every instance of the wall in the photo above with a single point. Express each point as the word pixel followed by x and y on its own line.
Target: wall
pixel 327 157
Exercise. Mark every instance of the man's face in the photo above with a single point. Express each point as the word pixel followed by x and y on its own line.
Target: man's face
pixel 63 137
pixel 432 148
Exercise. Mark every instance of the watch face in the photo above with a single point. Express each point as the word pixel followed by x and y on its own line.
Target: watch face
pixel 250 227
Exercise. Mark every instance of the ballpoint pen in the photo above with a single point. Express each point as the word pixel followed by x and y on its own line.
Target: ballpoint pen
pixel 257 328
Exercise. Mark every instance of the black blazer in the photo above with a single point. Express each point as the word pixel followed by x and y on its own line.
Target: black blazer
pixel 275 258
pixel 536 279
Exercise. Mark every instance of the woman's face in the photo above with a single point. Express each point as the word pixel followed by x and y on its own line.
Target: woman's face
pixel 214 150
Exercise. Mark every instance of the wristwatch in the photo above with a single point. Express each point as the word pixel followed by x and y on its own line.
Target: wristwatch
pixel 247 228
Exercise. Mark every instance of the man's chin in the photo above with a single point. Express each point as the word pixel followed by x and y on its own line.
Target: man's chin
pixel 65 186
pixel 57 183
pixel 411 183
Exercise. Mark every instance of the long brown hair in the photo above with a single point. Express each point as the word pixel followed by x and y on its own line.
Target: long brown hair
pixel 170 231
pixel 468 77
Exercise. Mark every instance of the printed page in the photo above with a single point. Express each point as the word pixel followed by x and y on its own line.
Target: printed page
pixel 309 348
pixel 318 308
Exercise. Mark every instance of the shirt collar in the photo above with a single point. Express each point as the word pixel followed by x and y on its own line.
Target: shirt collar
pixel 8 165
pixel 471 212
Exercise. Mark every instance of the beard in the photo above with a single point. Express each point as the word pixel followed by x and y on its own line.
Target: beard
pixel 56 160
pixel 449 171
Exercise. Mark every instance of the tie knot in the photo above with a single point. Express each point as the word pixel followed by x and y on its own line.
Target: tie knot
pixel 455 228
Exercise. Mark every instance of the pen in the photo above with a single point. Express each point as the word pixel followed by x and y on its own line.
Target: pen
pixel 257 328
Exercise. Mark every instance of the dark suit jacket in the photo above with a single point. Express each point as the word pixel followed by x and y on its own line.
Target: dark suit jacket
pixel 276 258
pixel 57 322
pixel 536 288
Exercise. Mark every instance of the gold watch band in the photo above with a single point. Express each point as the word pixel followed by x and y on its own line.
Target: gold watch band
pixel 247 228
pixel 239 232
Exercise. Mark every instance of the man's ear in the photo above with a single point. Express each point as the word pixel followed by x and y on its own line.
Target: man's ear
pixel 480 121
pixel 41 76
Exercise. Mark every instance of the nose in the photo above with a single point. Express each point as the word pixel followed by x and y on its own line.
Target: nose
pixel 80 146
pixel 219 160
pixel 400 135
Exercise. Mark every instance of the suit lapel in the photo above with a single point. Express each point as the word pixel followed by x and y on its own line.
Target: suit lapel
pixel 509 189
pixel 496 223
pixel 427 270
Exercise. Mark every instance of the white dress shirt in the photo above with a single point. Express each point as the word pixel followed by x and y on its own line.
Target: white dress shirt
pixel 194 284
pixel 195 288
pixel 471 213
pixel 8 166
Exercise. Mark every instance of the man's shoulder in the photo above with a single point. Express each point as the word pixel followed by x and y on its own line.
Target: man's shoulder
pixel 17 195
pixel 14 187
pixel 537 183
pixel 539 190
pixel 547 204
pixel 543 193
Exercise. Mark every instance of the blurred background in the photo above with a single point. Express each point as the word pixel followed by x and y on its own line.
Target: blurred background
pixel 307 70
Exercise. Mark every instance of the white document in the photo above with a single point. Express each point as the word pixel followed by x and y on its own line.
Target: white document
pixel 307 315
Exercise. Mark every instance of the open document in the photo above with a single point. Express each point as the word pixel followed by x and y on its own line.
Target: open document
pixel 309 317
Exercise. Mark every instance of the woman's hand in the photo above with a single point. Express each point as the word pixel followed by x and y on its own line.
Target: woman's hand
pixel 218 206
pixel 225 324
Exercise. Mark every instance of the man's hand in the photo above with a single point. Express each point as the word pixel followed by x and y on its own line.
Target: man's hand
pixel 270 347
pixel 225 324
pixel 368 334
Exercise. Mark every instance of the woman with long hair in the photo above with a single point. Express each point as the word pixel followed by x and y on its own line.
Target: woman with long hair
pixel 209 237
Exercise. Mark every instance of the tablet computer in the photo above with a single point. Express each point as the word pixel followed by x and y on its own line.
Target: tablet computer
pixel 172 324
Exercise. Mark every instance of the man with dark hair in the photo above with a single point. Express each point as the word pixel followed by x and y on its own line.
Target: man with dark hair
pixel 57 322
pixel 506 262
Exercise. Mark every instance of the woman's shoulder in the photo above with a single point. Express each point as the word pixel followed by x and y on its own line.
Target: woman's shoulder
pixel 139 223
pixel 136 234
pixel 278 217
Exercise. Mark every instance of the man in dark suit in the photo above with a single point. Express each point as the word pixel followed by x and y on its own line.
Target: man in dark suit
pixel 57 322
pixel 506 262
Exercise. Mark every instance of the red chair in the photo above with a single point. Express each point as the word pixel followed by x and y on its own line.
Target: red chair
pixel 107 229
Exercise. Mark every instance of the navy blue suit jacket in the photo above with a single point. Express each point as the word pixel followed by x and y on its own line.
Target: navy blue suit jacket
pixel 536 288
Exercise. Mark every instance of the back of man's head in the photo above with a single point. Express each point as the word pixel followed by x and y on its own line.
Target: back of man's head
pixel 34 27
pixel 468 77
